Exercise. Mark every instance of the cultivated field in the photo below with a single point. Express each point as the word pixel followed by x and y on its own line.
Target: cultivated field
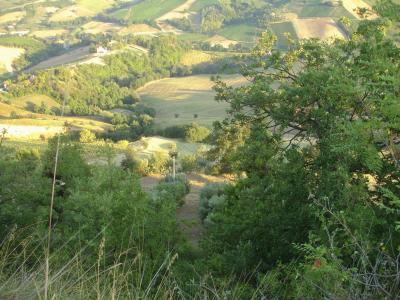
pixel 179 12
pixel 49 33
pixel 8 55
pixel 353 5
pixel 29 132
pixel 246 33
pixel 147 10
pixel 100 27
pixel 96 5
pixel 12 17
pixel 67 58
pixel 27 118
pixel 196 57
pixel 186 97
pixel 139 29
pixel 71 13
pixel 322 28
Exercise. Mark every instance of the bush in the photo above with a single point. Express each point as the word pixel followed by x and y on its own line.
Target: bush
pixel 133 163
pixel 211 196
pixel 123 143
pixel 14 115
pixel 174 132
pixel 192 133
pixel 189 163
pixel 86 136
pixel 195 133
pixel 173 189
pixel 159 163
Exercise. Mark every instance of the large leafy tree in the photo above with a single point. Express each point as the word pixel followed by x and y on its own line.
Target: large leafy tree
pixel 322 157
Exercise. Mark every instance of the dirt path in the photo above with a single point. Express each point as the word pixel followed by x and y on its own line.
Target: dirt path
pixel 188 214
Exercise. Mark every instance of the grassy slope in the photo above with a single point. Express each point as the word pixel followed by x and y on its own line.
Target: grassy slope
pixel 96 5
pixel 25 101
pixel 27 118
pixel 280 29
pixel 147 10
pixel 240 32
pixel 185 96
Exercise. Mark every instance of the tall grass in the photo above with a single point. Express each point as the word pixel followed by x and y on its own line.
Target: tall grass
pixel 22 275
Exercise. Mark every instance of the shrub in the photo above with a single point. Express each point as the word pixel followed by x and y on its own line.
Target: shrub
pixel 189 163
pixel 195 133
pixel 123 143
pixel 133 163
pixel 159 163
pixel 86 136
pixel 14 115
pixel 174 132
pixel 192 133
pixel 211 196
pixel 173 189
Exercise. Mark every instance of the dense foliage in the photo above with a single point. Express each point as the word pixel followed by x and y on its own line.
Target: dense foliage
pixel 97 206
pixel 321 165
pixel 92 88
pixel 191 133
pixel 313 213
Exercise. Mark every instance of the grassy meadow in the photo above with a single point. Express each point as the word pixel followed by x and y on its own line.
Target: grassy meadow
pixel 147 10
pixel 247 33
pixel 177 100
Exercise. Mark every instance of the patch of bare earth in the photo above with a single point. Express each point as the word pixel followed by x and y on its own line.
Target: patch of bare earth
pixel 221 41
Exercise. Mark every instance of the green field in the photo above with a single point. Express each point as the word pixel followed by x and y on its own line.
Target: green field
pixel 26 101
pixel 312 11
pixel 164 145
pixel 240 32
pixel 24 117
pixel 193 37
pixel 147 10
pixel 186 97
pixel 96 5
pixel 280 29
pixel 200 4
